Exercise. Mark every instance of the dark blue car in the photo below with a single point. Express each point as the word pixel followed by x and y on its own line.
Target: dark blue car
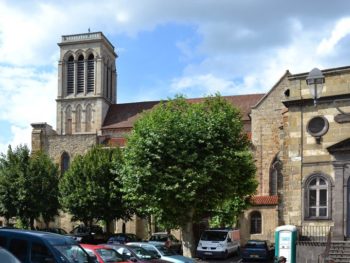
pixel 37 246
pixel 258 250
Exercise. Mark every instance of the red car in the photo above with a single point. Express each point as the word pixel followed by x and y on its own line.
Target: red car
pixel 104 254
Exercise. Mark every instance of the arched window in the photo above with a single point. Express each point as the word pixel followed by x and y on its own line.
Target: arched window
pixel 90 73
pixel 68 124
pixel 65 160
pixel 255 222
pixel 88 118
pixel 78 119
pixel 70 75
pixel 80 74
pixel 275 172
pixel 317 191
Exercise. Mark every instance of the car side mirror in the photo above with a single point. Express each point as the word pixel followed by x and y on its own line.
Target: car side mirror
pixel 229 240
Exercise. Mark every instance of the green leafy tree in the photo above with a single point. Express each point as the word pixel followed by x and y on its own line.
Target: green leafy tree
pixel 184 159
pixel 228 212
pixel 91 188
pixel 43 182
pixel 13 165
pixel 37 190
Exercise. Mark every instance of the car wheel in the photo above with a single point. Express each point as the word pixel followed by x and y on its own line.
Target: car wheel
pixel 238 251
pixel 226 254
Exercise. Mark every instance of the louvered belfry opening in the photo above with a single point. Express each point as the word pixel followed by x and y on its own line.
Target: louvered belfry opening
pixel 70 75
pixel 90 73
pixel 80 74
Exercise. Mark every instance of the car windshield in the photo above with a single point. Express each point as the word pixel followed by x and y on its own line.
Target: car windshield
pixel 255 244
pixel 143 253
pixel 214 235
pixel 109 255
pixel 73 253
pixel 164 251
pixel 159 238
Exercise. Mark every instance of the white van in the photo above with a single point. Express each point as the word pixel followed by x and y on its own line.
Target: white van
pixel 218 243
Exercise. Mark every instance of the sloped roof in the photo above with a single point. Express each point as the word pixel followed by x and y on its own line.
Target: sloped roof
pixel 124 115
pixel 286 74
pixel 264 200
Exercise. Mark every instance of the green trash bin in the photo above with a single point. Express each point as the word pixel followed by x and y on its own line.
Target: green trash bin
pixel 286 242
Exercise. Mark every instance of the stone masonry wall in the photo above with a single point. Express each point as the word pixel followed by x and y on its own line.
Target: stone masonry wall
pixel 304 156
pixel 269 216
pixel 266 122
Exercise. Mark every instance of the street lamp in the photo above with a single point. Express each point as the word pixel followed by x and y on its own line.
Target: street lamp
pixel 315 81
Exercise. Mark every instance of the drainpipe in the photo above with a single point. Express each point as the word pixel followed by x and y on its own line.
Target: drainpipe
pixel 301 152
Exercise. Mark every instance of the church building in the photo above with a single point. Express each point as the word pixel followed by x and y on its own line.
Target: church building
pixel 301 149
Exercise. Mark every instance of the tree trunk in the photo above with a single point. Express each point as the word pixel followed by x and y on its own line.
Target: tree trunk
pixel 149 225
pixel 7 220
pixel 188 246
pixel 31 223
pixel 108 226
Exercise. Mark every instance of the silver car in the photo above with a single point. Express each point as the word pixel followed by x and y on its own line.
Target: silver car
pixel 163 252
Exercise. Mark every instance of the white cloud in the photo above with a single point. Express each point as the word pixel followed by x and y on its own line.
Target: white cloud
pixel 239 46
pixel 28 96
pixel 341 30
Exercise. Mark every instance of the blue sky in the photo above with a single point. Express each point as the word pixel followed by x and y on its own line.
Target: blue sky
pixel 165 47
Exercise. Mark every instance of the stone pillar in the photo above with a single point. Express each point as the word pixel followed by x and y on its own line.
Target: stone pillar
pixel 338 202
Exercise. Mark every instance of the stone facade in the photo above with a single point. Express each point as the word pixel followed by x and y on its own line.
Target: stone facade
pixel 303 178
pixel 269 216
pixel 308 156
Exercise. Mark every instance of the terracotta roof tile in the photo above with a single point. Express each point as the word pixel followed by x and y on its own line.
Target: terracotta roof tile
pixel 124 115
pixel 264 200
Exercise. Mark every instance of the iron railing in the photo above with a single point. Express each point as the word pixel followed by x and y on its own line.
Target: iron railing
pixel 313 233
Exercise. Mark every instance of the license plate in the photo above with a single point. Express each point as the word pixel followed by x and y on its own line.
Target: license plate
pixel 208 253
pixel 254 256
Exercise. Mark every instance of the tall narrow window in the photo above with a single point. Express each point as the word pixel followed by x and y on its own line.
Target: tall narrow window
pixel 64 162
pixel 275 173
pixel 317 198
pixel 90 73
pixel 68 125
pixel 88 118
pixel 78 119
pixel 80 74
pixel 255 222
pixel 70 75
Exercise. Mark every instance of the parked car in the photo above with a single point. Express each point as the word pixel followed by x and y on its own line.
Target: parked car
pixel 56 230
pixel 122 238
pixel 168 240
pixel 37 246
pixel 162 252
pixel 218 243
pixel 89 234
pixel 104 254
pixel 6 256
pixel 136 254
pixel 258 250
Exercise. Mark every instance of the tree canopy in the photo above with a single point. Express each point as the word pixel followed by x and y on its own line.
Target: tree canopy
pixel 184 159
pixel 28 186
pixel 91 188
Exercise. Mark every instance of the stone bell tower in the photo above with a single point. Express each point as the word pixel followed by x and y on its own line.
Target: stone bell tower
pixel 86 83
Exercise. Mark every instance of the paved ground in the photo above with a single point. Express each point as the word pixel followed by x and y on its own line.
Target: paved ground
pixel 229 260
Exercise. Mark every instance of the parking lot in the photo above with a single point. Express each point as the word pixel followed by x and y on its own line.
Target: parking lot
pixel 235 259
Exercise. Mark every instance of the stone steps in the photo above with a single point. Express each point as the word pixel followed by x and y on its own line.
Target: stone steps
pixel 340 251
